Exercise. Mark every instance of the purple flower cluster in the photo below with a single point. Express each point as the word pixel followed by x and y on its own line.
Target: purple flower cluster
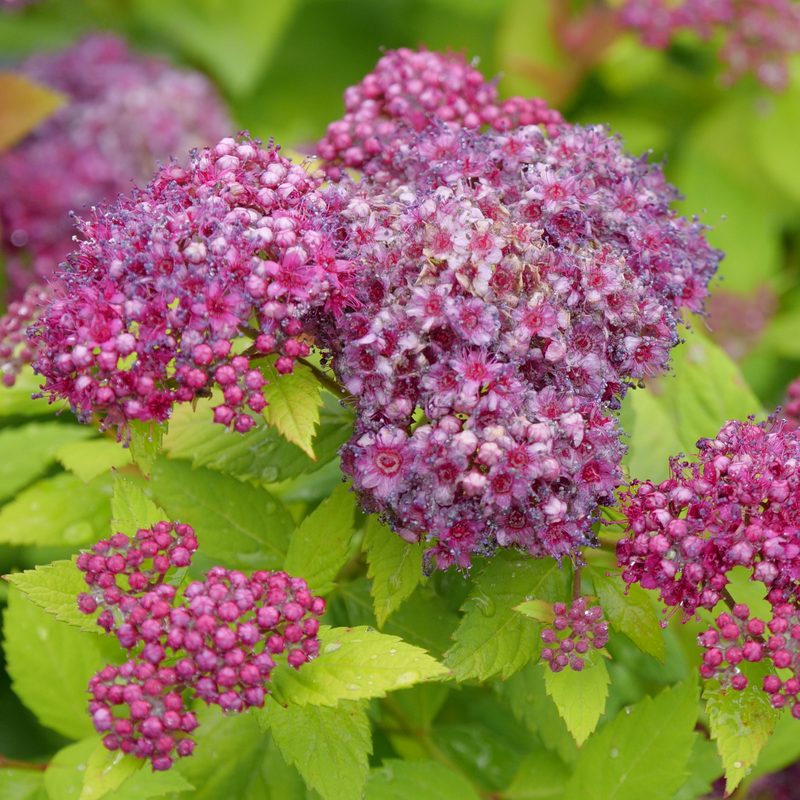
pixel 513 285
pixel 738 504
pixel 123 113
pixel 760 35
pixel 223 638
pixel 574 631
pixel 166 281
pixel 404 94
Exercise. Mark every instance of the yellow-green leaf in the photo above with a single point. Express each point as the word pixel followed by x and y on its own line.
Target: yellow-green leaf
pixel 23 105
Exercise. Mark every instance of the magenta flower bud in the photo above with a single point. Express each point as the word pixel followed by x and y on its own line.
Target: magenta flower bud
pixel 224 415
pixel 224 639
pixel 267 617
pixel 275 644
pixel 713 657
pixel 752 651
pixel 254 697
pixel 739 682
pixel 188 723
pixel 296 658
pixel 782 659
pixel 151 727
pixel 734 655
pixel 772 684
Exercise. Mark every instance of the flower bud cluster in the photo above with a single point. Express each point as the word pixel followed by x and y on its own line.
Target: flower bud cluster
pixel 220 640
pixel 759 35
pixel 165 282
pixel 122 113
pixel 405 92
pixel 16 349
pixel 574 631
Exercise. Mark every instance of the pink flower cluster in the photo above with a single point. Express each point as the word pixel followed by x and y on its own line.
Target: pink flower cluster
pixel 791 409
pixel 165 282
pixel 736 505
pixel 581 628
pixel 16 350
pixel 404 94
pixel 760 35
pixel 223 638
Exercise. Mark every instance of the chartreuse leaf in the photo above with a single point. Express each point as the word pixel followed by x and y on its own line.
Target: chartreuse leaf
pixel 50 665
pixel 28 451
pixel 541 775
pixel 240 525
pixel 492 637
pixel 354 663
pixel 16 400
pixel 395 567
pixel 89 459
pixel 740 722
pixel 106 771
pixel 145 442
pixel 66 770
pixel 23 105
pixel 643 753
pixel 704 767
pixel 61 510
pixel 628 609
pixel 146 783
pixel 55 587
pixel 131 509
pixel 318 548
pixel 539 610
pixel 782 749
pixel 414 780
pixel 294 402
pixel 329 746
pixel 22 784
pixel 580 696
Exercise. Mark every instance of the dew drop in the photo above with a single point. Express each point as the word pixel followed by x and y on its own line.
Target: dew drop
pixel 485 603
pixel 373 656
pixel 614 752
pixel 738 764
pixel 392 651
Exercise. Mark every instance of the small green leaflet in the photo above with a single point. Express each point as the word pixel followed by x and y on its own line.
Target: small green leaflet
pixel 354 663
pixel 239 525
pixel 50 665
pixel 64 776
pixel 106 771
pixel 740 722
pixel 395 567
pixel 538 610
pixel 22 784
pixel 422 702
pixel 541 775
pixel 89 459
pixel 417 780
pixel 56 511
pixel 629 611
pixel 329 746
pixel 145 783
pixel 55 587
pixel 640 754
pixel 580 696
pixel 782 749
pixel 145 442
pixel 492 637
pixel 704 767
pixel 131 509
pixel 318 548
pixel 294 402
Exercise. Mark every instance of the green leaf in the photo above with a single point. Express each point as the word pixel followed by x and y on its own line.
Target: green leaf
pixel 404 780
pixel 740 722
pixel 145 442
pixel 55 587
pixel 538 610
pixel 541 775
pixel 704 766
pixel 395 567
pixel 233 43
pixel 640 754
pixel 782 749
pixel 131 509
pixel 629 611
pixel 422 702
pixel 294 402
pixel 106 772
pixel 145 783
pixel 329 746
pixel 34 447
pixel 89 459
pixel 64 776
pixel 21 784
pixel 61 510
pixel 24 105
pixel 16 400
pixel 580 696
pixel 240 525
pixel 492 637
pixel 354 663
pixel 50 665
pixel 318 548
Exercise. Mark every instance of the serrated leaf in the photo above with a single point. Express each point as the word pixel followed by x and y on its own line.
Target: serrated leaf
pixel 580 696
pixel 329 746
pixel 782 749
pixel 23 106
pixel 492 637
pixel 422 702
pixel 294 402
pixel 145 783
pixel 740 722
pixel 405 780
pixel 240 525
pixel 629 611
pixel 55 587
pixel 395 567
pixel 34 447
pixel 50 665
pixel 89 459
pixel 64 776
pixel 21 784
pixel 318 548
pixel 106 771
pixel 145 442
pixel 61 510
pixel 704 767
pixel 354 663
pixel 131 509
pixel 541 775
pixel 538 610
pixel 640 754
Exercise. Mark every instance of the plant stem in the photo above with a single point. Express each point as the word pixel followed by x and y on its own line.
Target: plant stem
pixel 331 384
pixel 10 762
pixel 576 582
